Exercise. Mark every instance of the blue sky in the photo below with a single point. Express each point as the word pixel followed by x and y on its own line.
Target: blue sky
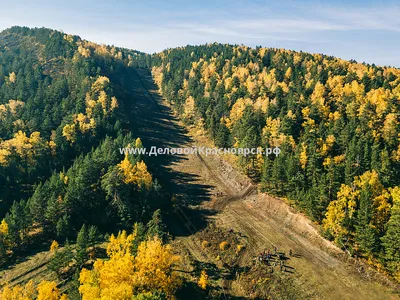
pixel 363 30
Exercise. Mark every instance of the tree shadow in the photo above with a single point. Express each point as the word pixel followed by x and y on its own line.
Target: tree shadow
pixel 147 117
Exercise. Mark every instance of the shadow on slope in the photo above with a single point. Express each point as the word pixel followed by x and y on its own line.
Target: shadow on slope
pixel 155 124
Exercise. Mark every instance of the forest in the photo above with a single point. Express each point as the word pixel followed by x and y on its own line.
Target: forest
pixel 62 177
pixel 335 121
pixel 65 187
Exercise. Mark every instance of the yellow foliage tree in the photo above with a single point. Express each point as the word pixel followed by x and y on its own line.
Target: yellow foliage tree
pixel 338 210
pixel 135 174
pixel 18 292
pixel 288 73
pixel 317 97
pixel 189 109
pixel 203 280
pixel 153 265
pixel 12 77
pixel 303 156
pixel 54 246
pixel 114 103
pixel 103 99
pixel 120 245
pixel 238 109
pixel 123 275
pixel 4 244
pixel 3 227
pixel 342 211
pixel 223 246
pixel 100 84
pixel 46 290
pixel 69 132
pixel 22 145
pixel 84 52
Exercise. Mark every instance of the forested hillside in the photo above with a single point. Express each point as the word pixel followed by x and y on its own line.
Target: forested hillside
pixel 335 121
pixel 61 125
pixel 81 220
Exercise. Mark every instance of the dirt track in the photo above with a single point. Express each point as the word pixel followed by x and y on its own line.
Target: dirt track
pixel 222 195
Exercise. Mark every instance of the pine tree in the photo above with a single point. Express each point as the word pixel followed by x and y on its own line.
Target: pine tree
pixel 18 223
pixel 81 246
pixel 63 228
pixel 223 138
pixel 156 227
pixel 61 260
pixel 93 236
pixel 391 239
pixel 366 235
pixel 139 231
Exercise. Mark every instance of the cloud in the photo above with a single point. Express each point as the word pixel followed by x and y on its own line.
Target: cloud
pixel 365 18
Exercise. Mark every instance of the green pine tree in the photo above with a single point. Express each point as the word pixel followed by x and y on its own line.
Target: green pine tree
pixel 81 246
pixel 391 239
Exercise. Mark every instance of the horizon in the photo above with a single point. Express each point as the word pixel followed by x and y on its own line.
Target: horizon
pixel 361 31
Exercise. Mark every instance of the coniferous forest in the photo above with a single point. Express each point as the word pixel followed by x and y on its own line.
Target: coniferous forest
pixel 64 185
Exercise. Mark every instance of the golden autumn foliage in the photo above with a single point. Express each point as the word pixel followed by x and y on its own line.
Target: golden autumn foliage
pixel 22 145
pixel 123 275
pixel 262 104
pixel 317 97
pixel 203 280
pixel 3 227
pixel 238 109
pixel 303 156
pixel 12 106
pixel 18 292
pixel 189 108
pixel 12 77
pixel 329 142
pixel 83 51
pixel 114 103
pixel 223 246
pixel 205 244
pixel 4 243
pixel 69 132
pixel 54 246
pixel 347 202
pixel 100 84
pixel 46 290
pixel 239 248
pixel 389 132
pixel 271 131
pixel 135 174
pixel 345 205
pixel 85 122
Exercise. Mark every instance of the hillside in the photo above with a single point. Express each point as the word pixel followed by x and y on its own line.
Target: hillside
pixel 186 224
pixel 336 123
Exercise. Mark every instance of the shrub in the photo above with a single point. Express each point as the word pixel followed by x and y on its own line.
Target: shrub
pixel 239 248
pixel 223 246
pixel 205 244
